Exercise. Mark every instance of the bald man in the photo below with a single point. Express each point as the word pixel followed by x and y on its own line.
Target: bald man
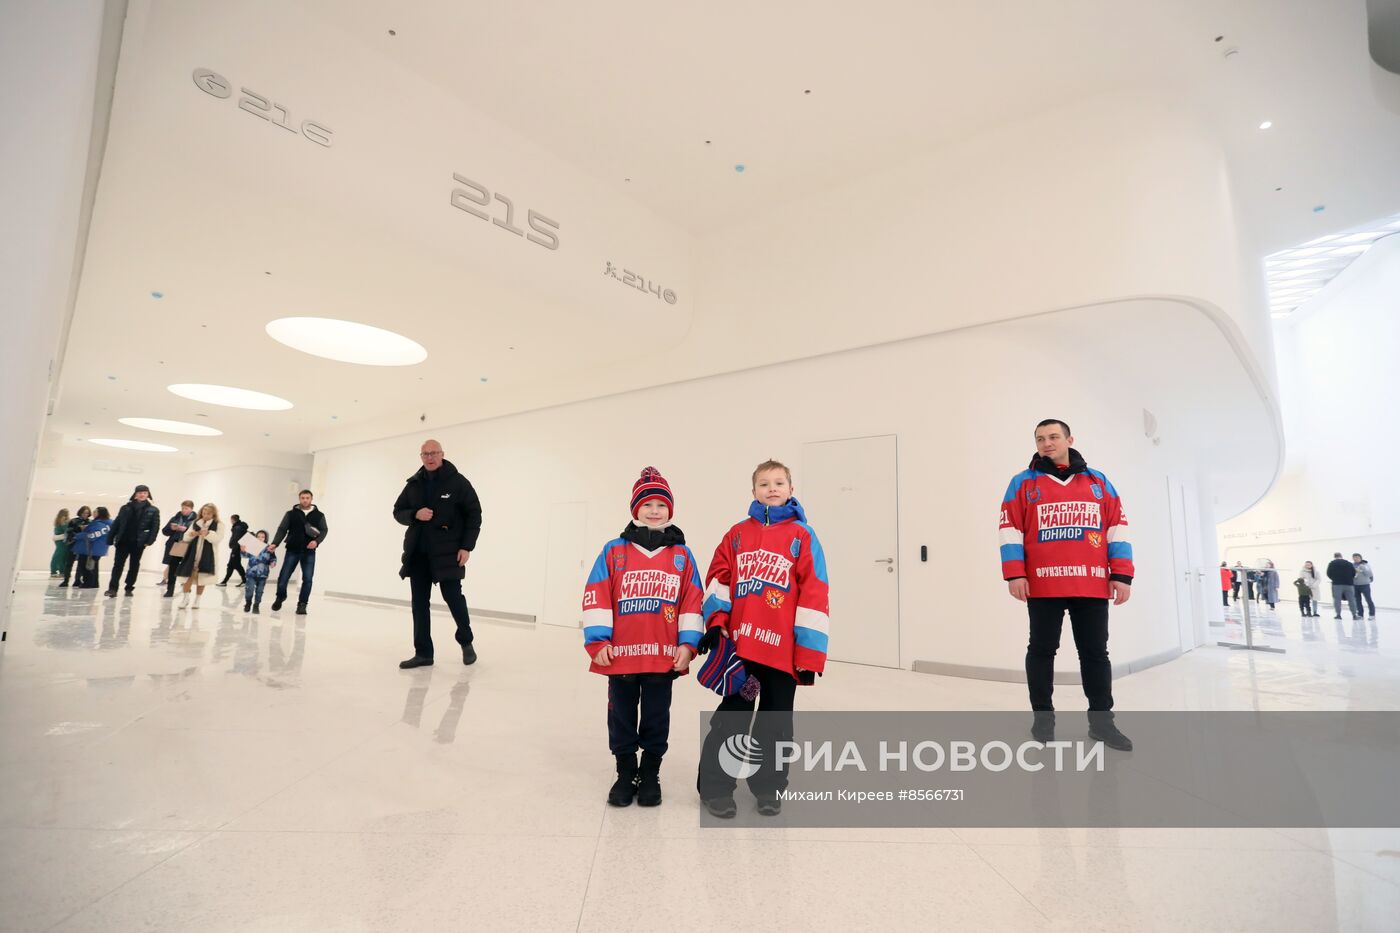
pixel 443 518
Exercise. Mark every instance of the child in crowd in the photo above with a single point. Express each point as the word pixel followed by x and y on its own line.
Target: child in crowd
pixel 641 623
pixel 259 566
pixel 766 592
pixel 1304 597
pixel 91 546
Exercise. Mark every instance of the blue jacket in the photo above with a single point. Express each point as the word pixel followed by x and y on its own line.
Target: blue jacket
pixel 94 541
pixel 260 564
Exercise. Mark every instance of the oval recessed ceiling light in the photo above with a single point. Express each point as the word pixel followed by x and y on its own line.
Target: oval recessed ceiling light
pixel 133 445
pixel 170 427
pixel 346 341
pixel 230 397
pixel 1266 124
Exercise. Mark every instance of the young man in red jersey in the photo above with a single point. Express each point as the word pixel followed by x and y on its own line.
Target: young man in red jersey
pixel 1065 548
pixel 766 590
pixel 641 626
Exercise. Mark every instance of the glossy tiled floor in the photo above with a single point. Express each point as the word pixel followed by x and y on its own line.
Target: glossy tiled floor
pixel 173 771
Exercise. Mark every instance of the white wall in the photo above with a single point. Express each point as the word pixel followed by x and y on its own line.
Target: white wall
pixel 259 494
pixel 963 405
pixel 49 59
pixel 1337 377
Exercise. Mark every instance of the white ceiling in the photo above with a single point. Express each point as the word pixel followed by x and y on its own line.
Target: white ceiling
pixel 237 227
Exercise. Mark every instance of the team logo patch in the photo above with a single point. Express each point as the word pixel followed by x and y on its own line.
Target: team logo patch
pixel 619 565
pixel 679 561
pixel 796 548
pixel 1094 538
pixel 668 613
pixel 774 598
pixel 734 543
pixel 1033 494
pixel 1097 490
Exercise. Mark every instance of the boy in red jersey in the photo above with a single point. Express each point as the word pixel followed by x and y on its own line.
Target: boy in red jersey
pixel 767 589
pixel 641 626
pixel 1064 546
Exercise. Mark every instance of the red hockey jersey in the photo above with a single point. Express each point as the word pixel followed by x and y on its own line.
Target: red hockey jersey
pixel 1067 534
pixel 767 586
pixel 643 604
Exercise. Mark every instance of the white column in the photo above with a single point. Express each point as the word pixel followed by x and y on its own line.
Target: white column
pixel 51 64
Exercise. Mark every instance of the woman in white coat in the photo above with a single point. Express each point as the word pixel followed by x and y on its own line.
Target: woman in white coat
pixel 200 560
pixel 1313 581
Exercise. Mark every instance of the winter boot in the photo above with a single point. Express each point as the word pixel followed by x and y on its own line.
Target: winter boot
pixel 649 781
pixel 624 789
pixel 1043 728
pixel 185 602
pixel 1102 729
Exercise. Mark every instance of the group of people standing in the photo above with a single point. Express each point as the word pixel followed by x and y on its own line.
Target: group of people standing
pixel 192 540
pixel 1350 579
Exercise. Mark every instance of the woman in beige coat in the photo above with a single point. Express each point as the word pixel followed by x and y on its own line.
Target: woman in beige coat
pixel 203 537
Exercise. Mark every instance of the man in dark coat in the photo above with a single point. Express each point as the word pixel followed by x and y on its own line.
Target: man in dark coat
pixel 135 529
pixel 304 528
pixel 443 516
pixel 235 557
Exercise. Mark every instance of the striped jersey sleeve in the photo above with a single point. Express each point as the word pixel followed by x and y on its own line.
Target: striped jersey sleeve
pixel 597 605
pixel 690 624
pixel 1120 545
pixel 1012 531
pixel 812 624
pixel 717 602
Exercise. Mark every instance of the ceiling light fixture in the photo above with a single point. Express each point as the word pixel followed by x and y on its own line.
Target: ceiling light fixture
pixel 170 427
pixel 346 341
pixel 1266 124
pixel 229 397
pixel 133 445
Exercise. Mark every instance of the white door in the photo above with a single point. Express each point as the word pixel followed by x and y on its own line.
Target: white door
pixel 566 568
pixel 1189 606
pixel 849 489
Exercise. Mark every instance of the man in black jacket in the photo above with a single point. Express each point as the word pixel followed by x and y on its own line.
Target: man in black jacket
pixel 1342 573
pixel 235 557
pixel 135 529
pixel 304 527
pixel 443 516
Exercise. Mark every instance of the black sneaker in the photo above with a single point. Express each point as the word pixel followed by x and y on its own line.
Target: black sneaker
pixel 257 610
pixel 624 789
pixel 63 584
pixel 110 594
pixel 130 592
pixel 649 781
pixel 721 807
pixel 277 603
pixel 221 584
pixel 468 654
pixel 1043 728
pixel 247 607
pixel 769 806
pixel 415 661
pixel 301 609
pixel 1102 729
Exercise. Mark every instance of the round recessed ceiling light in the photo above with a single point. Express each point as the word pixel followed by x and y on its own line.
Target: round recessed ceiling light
pixel 346 341
pixel 1266 124
pixel 170 427
pixel 133 445
pixel 230 397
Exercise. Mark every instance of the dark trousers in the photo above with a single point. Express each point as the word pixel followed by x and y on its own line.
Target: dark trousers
pixel 235 563
pixel 125 552
pixel 1235 591
pixel 1225 598
pixel 627 693
pixel 253 590
pixel 420 580
pixel 1344 593
pixel 172 567
pixel 1305 605
pixel 1363 592
pixel 88 576
pixel 1088 617
pixel 307 560
pixel 773 724
pixel 68 566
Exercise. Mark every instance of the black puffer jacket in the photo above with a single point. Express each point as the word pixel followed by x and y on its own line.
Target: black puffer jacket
pixel 454 527
pixel 138 520
pixel 295 525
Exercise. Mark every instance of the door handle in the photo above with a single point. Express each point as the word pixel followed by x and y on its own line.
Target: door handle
pixel 885 560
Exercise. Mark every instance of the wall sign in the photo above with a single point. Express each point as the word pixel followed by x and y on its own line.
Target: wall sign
pixel 264 108
pixel 640 283
pixel 545 230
